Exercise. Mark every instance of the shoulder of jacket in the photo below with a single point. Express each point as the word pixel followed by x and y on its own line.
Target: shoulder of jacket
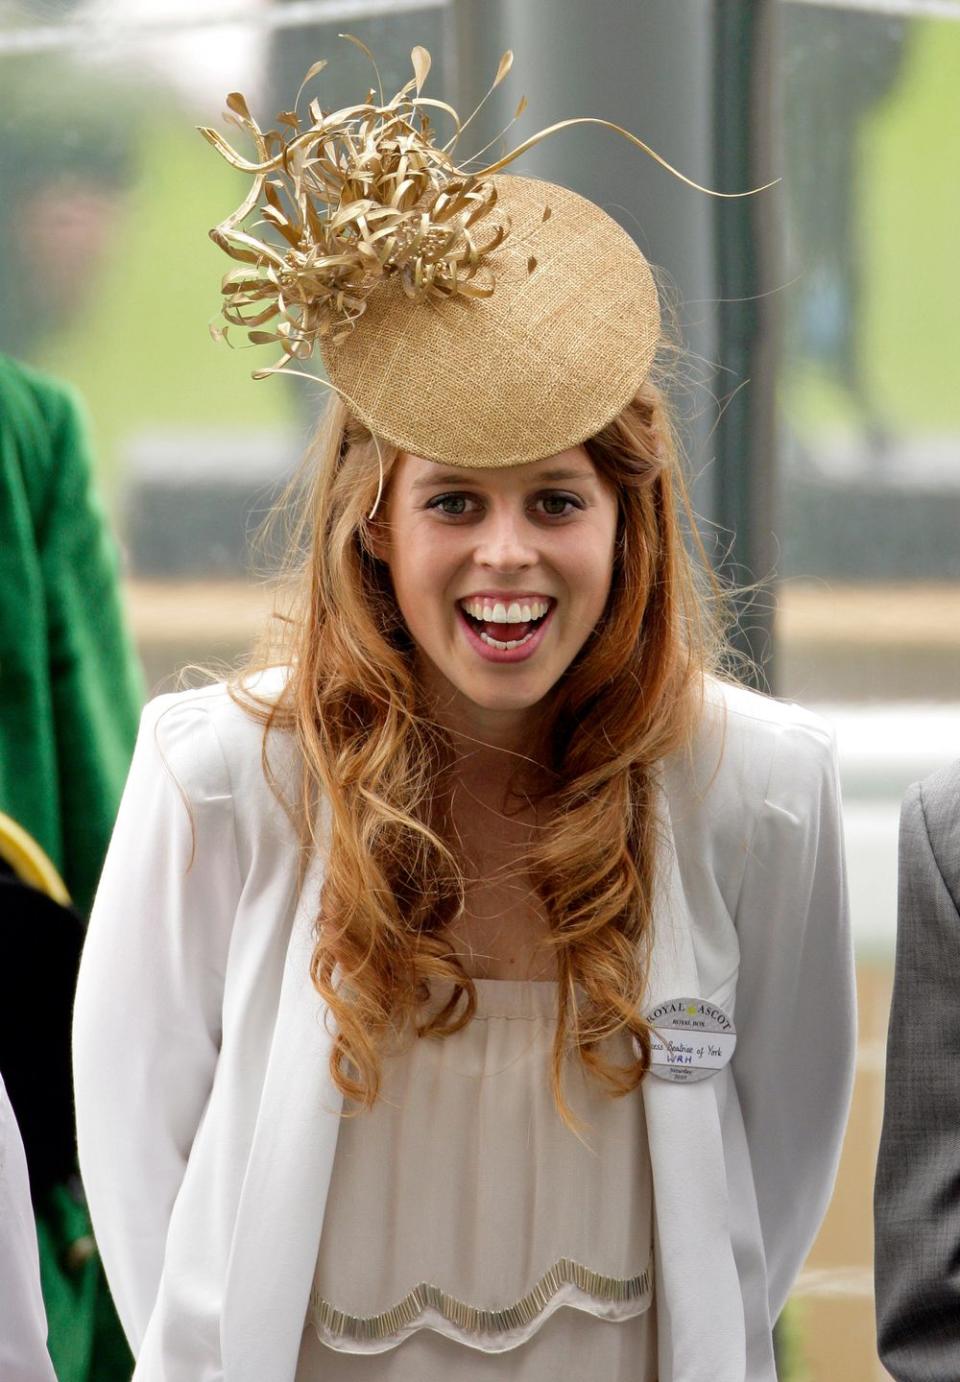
pixel 940 794
pixel 31 409
pixel 41 410
pixel 744 738
pixel 753 723
pixel 208 734
pixel 937 799
pixel 754 713
pixel 751 759
pixel 20 380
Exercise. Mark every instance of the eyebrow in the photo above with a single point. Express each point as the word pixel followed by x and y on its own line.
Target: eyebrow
pixel 550 477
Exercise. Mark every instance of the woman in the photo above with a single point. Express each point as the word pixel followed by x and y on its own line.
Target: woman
pixel 405 1022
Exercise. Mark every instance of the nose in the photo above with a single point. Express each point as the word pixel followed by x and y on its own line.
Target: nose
pixel 504 542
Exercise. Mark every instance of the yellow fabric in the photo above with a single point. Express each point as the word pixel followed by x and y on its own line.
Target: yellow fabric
pixel 28 861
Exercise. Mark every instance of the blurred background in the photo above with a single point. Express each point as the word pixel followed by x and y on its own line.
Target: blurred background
pixel 821 393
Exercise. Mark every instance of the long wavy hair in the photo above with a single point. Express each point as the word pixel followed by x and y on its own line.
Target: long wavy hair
pixel 376 767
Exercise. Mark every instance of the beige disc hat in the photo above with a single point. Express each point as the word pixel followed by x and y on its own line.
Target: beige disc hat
pixel 475 318
pixel 559 347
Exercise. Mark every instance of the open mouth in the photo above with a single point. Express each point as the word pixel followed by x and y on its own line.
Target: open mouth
pixel 505 625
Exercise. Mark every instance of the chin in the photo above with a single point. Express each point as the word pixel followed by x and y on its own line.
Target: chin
pixel 505 699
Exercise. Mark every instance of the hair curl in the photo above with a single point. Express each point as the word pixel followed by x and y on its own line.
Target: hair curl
pixel 376 766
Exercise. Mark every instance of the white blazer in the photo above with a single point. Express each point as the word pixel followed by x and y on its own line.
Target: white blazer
pixel 207 1119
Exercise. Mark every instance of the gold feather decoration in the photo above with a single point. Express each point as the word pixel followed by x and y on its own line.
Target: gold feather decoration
pixel 356 195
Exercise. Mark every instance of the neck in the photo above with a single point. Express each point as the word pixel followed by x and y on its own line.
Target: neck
pixel 492 758
pixel 500 735
pixel 492 747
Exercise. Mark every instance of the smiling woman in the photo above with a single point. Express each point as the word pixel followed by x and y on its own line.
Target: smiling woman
pixel 426 1014
pixel 491 573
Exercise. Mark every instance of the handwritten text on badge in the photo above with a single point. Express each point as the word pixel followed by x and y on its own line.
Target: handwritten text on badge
pixel 691 1039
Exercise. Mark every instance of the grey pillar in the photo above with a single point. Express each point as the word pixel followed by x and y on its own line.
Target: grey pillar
pixel 747 241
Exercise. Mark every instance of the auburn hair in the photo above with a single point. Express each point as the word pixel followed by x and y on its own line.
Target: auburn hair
pixel 376 767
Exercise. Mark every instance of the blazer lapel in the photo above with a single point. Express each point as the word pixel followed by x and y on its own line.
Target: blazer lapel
pixel 280 1213
pixel 699 1303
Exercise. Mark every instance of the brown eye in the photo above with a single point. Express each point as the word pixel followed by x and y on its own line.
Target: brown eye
pixel 453 505
pixel 557 505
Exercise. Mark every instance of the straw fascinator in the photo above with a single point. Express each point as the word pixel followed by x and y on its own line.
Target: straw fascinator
pixel 468 316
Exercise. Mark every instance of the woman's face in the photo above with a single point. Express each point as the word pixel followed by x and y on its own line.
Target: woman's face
pixel 500 575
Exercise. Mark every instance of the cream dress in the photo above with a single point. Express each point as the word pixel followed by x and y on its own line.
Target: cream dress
pixel 469 1234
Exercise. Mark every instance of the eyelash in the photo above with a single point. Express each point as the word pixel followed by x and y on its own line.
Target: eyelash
pixel 440 499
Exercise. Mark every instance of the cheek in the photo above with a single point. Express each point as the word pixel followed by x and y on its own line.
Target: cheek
pixel 410 588
pixel 421 568
pixel 591 576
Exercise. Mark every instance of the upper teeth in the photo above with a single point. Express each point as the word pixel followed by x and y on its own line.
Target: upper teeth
pixel 496 612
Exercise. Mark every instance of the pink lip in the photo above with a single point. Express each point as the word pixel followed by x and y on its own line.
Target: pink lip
pixel 520 654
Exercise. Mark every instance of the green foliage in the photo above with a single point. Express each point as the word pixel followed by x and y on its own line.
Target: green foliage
pixel 909 228
pixel 139 348
pixel 904 223
pixel 791 1364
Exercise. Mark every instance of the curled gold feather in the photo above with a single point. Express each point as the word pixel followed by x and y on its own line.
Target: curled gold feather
pixel 359 196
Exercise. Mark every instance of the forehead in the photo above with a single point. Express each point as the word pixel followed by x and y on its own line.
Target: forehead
pixel 415 472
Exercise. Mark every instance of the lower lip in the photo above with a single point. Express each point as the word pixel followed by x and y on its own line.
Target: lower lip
pixel 519 654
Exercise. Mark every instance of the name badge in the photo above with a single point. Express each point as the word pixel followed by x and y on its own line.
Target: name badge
pixel 691 1039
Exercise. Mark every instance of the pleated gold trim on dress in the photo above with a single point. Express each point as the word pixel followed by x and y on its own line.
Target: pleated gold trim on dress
pixel 472 1318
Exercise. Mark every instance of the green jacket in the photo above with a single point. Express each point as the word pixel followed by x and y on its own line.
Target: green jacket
pixel 70 686
pixel 70 693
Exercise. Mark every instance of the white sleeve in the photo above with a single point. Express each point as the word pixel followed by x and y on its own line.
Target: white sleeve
pixel 796 1005
pixel 147 1021
pixel 23 1323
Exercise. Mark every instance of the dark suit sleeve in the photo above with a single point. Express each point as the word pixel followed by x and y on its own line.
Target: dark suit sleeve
pixel 917 1200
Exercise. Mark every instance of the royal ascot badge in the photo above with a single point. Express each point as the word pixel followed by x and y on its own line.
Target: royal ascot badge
pixel 690 1040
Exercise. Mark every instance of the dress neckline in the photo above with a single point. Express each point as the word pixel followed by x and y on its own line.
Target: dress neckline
pixel 531 998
